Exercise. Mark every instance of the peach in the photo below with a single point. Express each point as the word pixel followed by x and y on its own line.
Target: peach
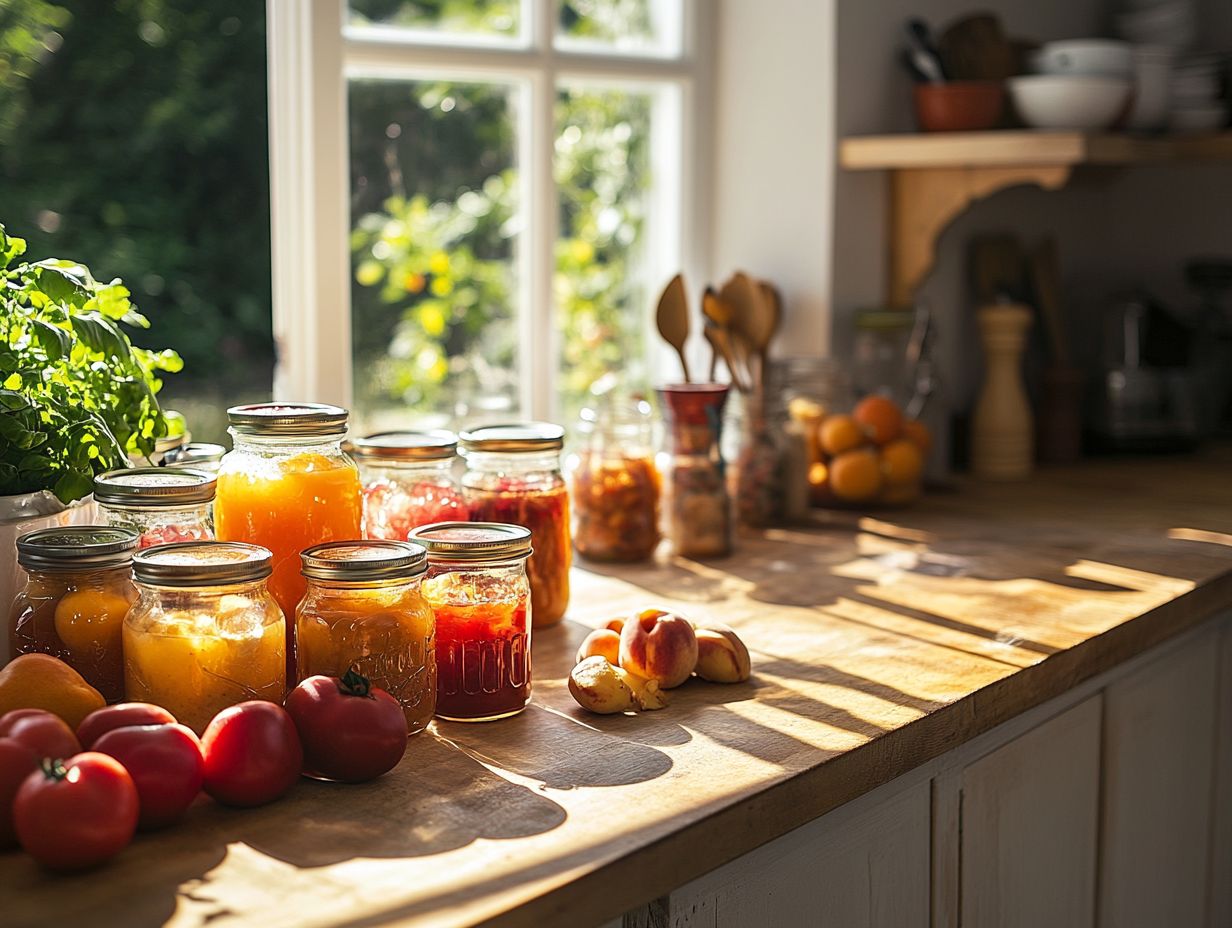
pixel 606 689
pixel 658 646
pixel 603 642
pixel 616 625
pixel 721 655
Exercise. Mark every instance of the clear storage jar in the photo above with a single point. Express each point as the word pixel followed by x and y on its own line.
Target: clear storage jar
pixel 164 504
pixel 697 507
pixel 408 481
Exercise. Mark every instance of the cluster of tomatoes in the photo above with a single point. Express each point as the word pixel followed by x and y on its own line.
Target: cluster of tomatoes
pixel 73 800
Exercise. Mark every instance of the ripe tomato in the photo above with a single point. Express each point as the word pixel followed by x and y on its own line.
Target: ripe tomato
pixel 351 731
pixel 45 734
pixel 166 766
pixel 76 813
pixel 103 720
pixel 252 754
pixel 16 763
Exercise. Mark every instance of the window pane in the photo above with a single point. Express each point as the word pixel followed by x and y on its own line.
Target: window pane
pixel 474 18
pixel 646 27
pixel 434 224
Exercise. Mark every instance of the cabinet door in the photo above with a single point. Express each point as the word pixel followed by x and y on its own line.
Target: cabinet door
pixel 1029 825
pixel 1220 876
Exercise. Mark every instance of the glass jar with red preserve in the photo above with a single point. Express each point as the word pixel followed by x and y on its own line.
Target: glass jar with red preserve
pixel 513 476
pixel 165 504
pixel 408 481
pixel 477 587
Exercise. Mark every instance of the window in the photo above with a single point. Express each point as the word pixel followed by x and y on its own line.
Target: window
pixel 475 201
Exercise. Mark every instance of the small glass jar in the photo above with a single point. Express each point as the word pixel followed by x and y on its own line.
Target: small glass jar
pixel 205 633
pixel 408 481
pixel 477 586
pixel 615 485
pixel 197 455
pixel 287 485
pixel 513 476
pixel 364 611
pixel 77 592
pixel 164 504
pixel 698 519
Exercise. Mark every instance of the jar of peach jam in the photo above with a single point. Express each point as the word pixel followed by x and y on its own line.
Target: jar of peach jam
pixel 364 611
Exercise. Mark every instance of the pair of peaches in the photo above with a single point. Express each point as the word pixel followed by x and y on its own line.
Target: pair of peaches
pixel 626 665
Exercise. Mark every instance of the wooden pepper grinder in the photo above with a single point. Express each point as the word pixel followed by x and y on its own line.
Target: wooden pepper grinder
pixel 1001 432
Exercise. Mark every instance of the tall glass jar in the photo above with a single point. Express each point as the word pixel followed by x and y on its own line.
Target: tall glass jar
pixel 164 504
pixel 205 633
pixel 77 591
pixel 364 611
pixel 615 485
pixel 477 586
pixel 513 476
pixel 698 520
pixel 408 481
pixel 287 485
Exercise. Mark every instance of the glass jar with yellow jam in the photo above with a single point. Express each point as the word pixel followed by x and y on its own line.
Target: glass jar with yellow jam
pixel 204 633
pixel 364 611
pixel 164 504
pixel 77 592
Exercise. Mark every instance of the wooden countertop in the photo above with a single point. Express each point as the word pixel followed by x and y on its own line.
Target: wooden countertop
pixel 877 643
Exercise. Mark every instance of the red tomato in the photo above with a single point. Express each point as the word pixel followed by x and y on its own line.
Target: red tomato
pixel 45 734
pixel 103 720
pixel 165 764
pixel 252 754
pixel 16 763
pixel 76 813
pixel 350 730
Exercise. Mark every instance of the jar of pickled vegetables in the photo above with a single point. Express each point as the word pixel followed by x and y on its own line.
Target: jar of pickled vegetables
pixel 615 485
pixel 513 476
pixel 287 485
pixel 364 611
pixel 164 504
pixel 477 586
pixel 77 592
pixel 204 633
pixel 408 481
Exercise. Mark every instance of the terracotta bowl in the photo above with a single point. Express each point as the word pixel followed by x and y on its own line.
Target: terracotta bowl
pixel 960 106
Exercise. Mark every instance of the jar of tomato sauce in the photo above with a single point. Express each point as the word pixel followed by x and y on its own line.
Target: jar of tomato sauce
pixel 408 481
pixel 287 485
pixel 164 504
pixel 77 592
pixel 204 633
pixel 476 585
pixel 364 611
pixel 513 477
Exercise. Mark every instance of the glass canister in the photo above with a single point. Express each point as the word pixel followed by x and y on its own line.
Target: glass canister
pixel 615 484
pixel 408 481
pixel 513 476
pixel 364 611
pixel 478 588
pixel 698 519
pixel 288 485
pixel 204 633
pixel 164 504
pixel 77 592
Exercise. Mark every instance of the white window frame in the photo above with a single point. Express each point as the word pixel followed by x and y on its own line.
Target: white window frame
pixel 311 57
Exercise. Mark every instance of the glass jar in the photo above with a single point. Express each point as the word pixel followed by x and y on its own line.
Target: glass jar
pixel 477 586
pixel 364 611
pixel 287 485
pixel 197 455
pixel 879 353
pixel 164 504
pixel 408 481
pixel 77 592
pixel 513 476
pixel 615 485
pixel 697 507
pixel 205 633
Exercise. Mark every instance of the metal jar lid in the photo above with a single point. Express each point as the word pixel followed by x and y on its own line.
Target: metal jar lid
pixel 363 561
pixel 154 487
pixel 514 437
pixel 435 445
pixel 77 547
pixel 202 564
pixel 288 420
pixel 199 455
pixel 473 541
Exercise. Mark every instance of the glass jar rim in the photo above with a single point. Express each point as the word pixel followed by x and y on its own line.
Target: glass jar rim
pixel 473 541
pixel 163 487
pixel 202 564
pixel 515 437
pixel 363 561
pixel 288 420
pixel 430 445
pixel 76 547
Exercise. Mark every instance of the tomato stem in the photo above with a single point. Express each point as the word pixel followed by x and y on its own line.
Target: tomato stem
pixel 354 683
pixel 53 768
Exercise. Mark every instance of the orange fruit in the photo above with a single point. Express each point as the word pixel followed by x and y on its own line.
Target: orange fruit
pixel 902 462
pixel 918 434
pixel 855 476
pixel 880 418
pixel 40 681
pixel 89 621
pixel 840 433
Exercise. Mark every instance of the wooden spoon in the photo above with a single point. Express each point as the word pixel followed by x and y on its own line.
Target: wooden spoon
pixel 672 317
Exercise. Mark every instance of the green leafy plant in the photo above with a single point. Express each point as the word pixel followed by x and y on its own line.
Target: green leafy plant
pixel 76 397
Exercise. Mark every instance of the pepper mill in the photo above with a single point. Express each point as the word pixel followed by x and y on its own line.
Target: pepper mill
pixel 1001 431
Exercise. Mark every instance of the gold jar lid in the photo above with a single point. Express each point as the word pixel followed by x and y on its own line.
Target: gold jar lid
pixel 434 445
pixel 363 561
pixel 77 547
pixel 202 564
pixel 154 487
pixel 514 438
pixel 473 541
pixel 288 420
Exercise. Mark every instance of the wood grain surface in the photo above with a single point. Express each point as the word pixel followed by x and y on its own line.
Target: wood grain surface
pixel 878 643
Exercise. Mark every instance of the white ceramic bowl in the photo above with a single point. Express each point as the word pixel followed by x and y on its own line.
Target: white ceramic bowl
pixel 1085 56
pixel 1055 101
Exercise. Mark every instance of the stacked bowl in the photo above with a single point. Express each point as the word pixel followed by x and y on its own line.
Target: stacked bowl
pixel 1080 84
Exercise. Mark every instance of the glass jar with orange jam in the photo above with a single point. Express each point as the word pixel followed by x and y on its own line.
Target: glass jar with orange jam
pixel 476 585
pixel 204 633
pixel 513 477
pixel 77 593
pixel 287 485
pixel 364 611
